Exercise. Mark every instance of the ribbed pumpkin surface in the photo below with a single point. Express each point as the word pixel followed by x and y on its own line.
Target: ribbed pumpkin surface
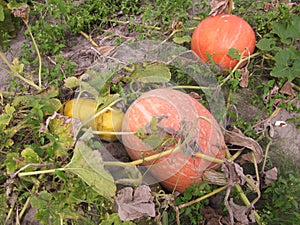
pixel 178 170
pixel 215 35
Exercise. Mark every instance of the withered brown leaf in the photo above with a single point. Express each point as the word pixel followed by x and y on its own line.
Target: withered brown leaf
pixel 242 214
pixel 245 77
pixel 234 172
pixel 269 176
pixel 287 89
pixel 236 137
pixel 219 7
pixel 22 11
pixel 135 204
pixel 107 50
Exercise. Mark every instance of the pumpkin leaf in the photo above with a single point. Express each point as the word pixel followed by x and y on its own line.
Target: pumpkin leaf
pixel 88 165
pixel 242 214
pixel 156 137
pixel 72 82
pixel 234 53
pixel 113 218
pixel 11 162
pixel 87 87
pixel 98 78
pixel 267 44
pixel 47 99
pixel 287 63
pixel 245 77
pixel 42 200
pixel 287 89
pixel 6 117
pixel 62 129
pixel 287 31
pixel 151 72
pixel 6 22
pixel 1 13
pixel 105 100
pixel 30 156
pixel 181 40
pixel 270 176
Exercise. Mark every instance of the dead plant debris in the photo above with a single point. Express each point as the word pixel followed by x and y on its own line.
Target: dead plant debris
pixel 237 138
pixel 134 204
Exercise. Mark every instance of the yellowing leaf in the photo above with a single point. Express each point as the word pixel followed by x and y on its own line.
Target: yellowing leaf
pixel 6 117
pixel 30 156
pixel 181 40
pixel 61 127
pixel 11 162
pixel 72 82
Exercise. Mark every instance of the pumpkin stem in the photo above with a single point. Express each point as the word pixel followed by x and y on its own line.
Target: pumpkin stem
pixel 89 38
pixel 243 195
pixel 230 6
pixel 203 197
pixel 37 52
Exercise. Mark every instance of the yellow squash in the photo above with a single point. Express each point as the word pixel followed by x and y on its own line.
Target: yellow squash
pixel 85 109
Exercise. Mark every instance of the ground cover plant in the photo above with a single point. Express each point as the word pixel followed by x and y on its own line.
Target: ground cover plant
pixel 55 169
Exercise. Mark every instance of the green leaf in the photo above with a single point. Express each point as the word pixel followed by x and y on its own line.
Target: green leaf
pixel 165 218
pixel 114 219
pixel 234 53
pixel 287 30
pixel 1 13
pixel 48 211
pixel 53 207
pixel 181 40
pixel 45 100
pixel 61 128
pixel 41 201
pixel 154 136
pixel 266 44
pixel 6 117
pixel 72 82
pixel 88 165
pixel 287 64
pixel 151 72
pixel 98 77
pixel 11 162
pixel 30 156
pixel 62 175
pixel 6 22
pixel 105 100
pixel 87 87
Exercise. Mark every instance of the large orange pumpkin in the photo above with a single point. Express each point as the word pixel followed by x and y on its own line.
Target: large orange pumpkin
pixel 215 35
pixel 181 169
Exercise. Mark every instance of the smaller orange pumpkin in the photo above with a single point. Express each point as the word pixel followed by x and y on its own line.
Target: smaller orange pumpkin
pixel 215 35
